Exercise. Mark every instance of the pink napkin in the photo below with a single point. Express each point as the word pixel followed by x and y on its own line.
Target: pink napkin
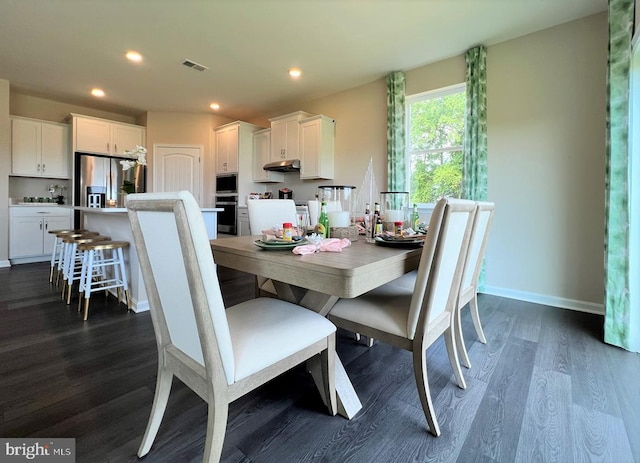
pixel 328 244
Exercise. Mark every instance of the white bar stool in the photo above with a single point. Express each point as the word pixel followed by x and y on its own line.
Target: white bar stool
pixel 97 257
pixel 56 253
pixel 72 263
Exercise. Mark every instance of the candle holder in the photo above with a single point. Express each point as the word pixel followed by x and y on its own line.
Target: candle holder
pixel 394 207
pixel 340 201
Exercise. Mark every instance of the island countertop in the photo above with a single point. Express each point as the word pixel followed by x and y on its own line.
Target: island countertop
pixel 111 210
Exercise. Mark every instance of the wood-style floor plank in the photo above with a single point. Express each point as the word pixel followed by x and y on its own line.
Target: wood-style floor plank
pixel 544 388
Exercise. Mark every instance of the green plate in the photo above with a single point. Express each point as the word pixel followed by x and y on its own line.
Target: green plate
pixel 273 244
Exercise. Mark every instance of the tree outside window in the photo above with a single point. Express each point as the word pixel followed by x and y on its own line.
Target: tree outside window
pixel 435 127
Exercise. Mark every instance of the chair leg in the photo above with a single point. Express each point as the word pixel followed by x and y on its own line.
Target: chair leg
pixel 460 345
pixel 163 389
pixel 328 367
pixel 452 352
pixel 422 382
pixel 216 429
pixel 475 316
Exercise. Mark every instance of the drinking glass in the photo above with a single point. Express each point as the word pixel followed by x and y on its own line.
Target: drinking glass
pixel 303 223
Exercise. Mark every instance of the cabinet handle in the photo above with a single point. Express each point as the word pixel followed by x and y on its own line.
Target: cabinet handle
pixel 107 147
pixel 46 225
pixel 43 167
pixel 38 167
pixel 115 147
pixel 40 225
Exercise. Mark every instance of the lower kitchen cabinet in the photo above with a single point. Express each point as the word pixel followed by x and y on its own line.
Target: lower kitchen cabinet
pixel 29 236
pixel 243 221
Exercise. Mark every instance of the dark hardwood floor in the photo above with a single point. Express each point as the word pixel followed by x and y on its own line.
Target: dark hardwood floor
pixel 544 388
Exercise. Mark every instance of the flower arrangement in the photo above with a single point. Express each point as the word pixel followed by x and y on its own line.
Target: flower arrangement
pixel 140 155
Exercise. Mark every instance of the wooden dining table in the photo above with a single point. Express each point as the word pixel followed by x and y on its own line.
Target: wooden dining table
pixel 316 281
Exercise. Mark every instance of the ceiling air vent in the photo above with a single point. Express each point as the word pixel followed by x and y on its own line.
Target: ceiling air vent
pixel 193 65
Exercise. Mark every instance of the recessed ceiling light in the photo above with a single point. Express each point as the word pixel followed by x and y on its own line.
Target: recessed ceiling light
pixel 134 56
pixel 215 106
pixel 295 72
pixel 97 92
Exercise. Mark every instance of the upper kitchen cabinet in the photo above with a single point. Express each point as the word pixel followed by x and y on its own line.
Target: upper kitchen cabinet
pixel 101 136
pixel 317 136
pixel 234 143
pixel 285 135
pixel 39 148
pixel 262 156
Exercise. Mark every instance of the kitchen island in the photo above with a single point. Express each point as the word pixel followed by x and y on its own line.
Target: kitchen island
pixel 114 223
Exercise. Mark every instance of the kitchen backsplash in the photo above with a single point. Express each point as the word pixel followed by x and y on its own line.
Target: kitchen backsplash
pixel 19 187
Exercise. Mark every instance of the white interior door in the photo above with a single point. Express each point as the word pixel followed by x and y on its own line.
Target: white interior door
pixel 177 167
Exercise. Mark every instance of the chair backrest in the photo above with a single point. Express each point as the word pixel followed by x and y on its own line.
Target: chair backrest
pixel 265 214
pixel 180 277
pixel 477 247
pixel 441 264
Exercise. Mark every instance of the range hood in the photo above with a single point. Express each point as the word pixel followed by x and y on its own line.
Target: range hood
pixel 289 165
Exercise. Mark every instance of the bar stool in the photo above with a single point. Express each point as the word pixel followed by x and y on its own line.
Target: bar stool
pixel 97 257
pixel 72 256
pixel 56 252
pixel 60 266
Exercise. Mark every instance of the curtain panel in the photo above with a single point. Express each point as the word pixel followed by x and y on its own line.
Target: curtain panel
pixel 618 328
pixel 474 175
pixel 396 168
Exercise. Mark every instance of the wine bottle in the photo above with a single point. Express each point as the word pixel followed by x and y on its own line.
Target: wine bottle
pixel 323 221
pixel 376 221
pixel 415 218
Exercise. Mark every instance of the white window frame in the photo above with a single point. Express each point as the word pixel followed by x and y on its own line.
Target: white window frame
pixel 415 98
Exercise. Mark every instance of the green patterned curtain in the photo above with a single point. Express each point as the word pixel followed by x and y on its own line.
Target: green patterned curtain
pixel 474 175
pixel 474 161
pixel 396 168
pixel 618 329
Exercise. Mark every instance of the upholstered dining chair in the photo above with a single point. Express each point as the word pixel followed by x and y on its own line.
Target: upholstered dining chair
pixel 220 354
pixel 469 284
pixel 413 319
pixel 264 214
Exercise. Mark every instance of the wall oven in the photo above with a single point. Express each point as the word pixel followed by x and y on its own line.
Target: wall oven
pixel 227 200
pixel 227 218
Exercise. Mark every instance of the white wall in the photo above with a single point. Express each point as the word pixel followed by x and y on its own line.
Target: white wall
pixel 546 136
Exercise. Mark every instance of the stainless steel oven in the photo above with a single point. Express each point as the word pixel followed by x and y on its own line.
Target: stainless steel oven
pixel 228 217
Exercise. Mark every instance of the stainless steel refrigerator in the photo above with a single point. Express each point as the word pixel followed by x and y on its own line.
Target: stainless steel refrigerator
pixel 98 180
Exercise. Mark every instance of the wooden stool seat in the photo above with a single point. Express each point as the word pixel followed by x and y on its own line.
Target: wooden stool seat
pixel 97 257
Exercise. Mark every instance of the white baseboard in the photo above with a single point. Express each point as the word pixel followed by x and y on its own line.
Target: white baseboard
pixel 553 301
pixel 5 263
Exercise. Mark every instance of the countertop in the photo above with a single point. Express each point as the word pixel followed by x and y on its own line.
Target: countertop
pixel 111 210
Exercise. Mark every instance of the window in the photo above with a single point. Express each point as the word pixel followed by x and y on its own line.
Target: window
pixel 435 127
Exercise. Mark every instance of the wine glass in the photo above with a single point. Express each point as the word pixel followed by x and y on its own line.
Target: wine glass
pixel 303 223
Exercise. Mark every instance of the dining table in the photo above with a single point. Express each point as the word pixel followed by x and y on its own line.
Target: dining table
pixel 317 281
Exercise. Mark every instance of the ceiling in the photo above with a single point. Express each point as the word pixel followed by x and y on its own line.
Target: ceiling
pixel 61 49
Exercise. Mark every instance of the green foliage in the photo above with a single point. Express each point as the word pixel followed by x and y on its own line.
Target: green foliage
pixel 436 124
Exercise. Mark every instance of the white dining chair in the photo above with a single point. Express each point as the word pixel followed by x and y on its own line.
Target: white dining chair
pixel 220 354
pixel 264 214
pixel 413 319
pixel 469 284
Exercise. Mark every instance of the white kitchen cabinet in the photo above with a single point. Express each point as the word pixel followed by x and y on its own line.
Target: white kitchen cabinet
pixel 94 135
pixel 39 148
pixel 262 156
pixel 234 148
pixel 285 131
pixel 29 227
pixel 317 136
pixel 227 148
